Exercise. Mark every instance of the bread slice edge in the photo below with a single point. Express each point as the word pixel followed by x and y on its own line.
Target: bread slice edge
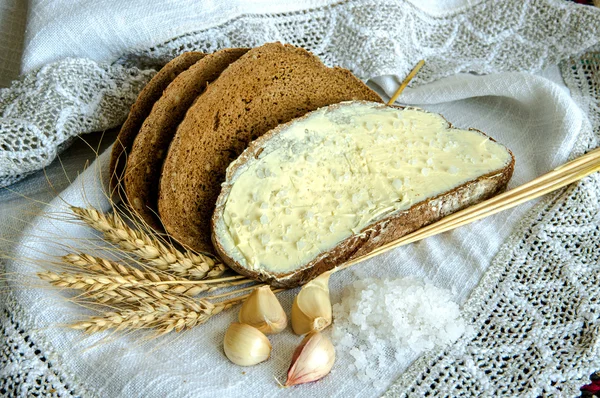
pixel 138 112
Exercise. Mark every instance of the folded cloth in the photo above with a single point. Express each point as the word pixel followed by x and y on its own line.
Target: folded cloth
pixel 519 109
pixel 535 115
pixel 372 39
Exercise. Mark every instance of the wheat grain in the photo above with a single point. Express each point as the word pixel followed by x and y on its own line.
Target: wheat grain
pixel 162 255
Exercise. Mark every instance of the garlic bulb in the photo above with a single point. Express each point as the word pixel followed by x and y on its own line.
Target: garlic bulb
pixel 245 345
pixel 263 311
pixel 312 360
pixel 312 307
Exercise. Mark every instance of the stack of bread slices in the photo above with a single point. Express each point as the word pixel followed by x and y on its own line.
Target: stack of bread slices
pixel 202 111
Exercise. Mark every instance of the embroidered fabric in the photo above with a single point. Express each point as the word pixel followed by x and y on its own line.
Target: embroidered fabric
pixel 40 113
pixel 534 318
pixel 26 368
pixel 535 313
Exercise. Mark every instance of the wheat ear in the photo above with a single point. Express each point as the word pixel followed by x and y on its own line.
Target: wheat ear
pixel 143 317
pixel 187 287
pixel 164 317
pixel 162 255
pixel 111 282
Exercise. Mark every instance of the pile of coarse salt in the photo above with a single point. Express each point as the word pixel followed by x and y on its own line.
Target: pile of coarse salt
pixel 381 321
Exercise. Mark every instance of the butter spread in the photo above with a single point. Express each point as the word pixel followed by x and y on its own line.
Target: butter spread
pixel 330 175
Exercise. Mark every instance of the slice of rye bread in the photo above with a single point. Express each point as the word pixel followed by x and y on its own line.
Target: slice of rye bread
pixel 387 229
pixel 140 110
pixel 145 159
pixel 269 85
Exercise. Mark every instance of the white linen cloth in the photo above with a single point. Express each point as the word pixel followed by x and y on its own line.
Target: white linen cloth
pixel 52 104
pixel 533 114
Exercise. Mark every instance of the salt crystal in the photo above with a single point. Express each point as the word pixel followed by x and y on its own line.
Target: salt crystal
pixel 264 219
pixel 300 245
pixel 264 238
pixel 383 322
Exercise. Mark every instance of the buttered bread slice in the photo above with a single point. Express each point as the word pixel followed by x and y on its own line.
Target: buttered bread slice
pixel 344 180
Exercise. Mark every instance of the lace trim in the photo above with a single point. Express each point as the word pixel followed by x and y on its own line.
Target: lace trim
pixel 388 37
pixel 41 113
pixel 370 37
pixel 28 365
pixel 535 312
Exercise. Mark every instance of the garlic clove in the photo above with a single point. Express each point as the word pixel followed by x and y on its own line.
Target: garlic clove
pixel 311 310
pixel 263 311
pixel 312 360
pixel 245 345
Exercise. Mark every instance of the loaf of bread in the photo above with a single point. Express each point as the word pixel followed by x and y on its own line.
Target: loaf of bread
pixel 267 86
pixel 140 110
pixel 343 180
pixel 144 164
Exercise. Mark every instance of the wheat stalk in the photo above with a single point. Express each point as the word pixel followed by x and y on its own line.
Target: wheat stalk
pixel 144 317
pixel 113 282
pixel 162 255
pixel 101 265
pixel 130 297
pixel 165 317
pixel 148 277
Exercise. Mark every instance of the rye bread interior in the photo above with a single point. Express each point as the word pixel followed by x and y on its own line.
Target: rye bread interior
pixel 267 86
pixel 344 180
pixel 144 164
pixel 140 110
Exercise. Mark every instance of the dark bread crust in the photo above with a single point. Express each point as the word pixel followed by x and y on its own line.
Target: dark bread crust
pixel 371 237
pixel 140 110
pixel 269 85
pixel 144 164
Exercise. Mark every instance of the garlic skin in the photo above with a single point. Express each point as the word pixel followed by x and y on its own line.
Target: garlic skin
pixel 312 360
pixel 311 310
pixel 245 345
pixel 263 311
